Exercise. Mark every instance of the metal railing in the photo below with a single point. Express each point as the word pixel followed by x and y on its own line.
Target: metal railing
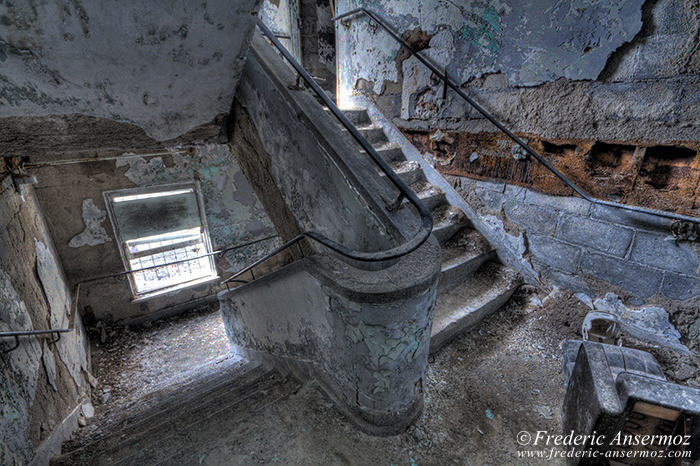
pixel 643 210
pixel 404 191
pixel 28 333
pixel 74 308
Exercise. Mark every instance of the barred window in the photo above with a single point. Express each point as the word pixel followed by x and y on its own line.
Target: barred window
pixel 163 230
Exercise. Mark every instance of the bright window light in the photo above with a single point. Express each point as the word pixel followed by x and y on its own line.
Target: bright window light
pixel 162 230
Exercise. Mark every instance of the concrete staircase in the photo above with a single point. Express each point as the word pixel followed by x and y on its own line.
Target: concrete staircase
pixel 178 427
pixel 473 283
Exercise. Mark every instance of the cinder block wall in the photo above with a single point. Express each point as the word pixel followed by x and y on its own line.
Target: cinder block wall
pixel 578 245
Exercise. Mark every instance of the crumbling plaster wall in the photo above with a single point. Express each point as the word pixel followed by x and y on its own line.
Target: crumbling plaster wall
pixel 136 62
pixel 41 384
pixel 71 197
pixel 623 70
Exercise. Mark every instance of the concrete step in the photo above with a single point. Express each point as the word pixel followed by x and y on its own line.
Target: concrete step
pixel 374 134
pixel 431 196
pixel 447 220
pixel 462 255
pixel 389 152
pixel 191 442
pixel 143 428
pixel 409 172
pixel 459 310
pixel 357 116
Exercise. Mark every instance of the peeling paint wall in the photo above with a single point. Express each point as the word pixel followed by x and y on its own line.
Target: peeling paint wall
pixel 71 197
pixel 40 383
pixel 282 18
pixel 365 339
pixel 133 62
pixel 622 70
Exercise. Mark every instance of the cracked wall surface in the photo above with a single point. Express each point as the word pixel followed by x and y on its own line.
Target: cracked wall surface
pixel 530 42
pixel 620 71
pixel 134 62
pixel 71 197
pixel 40 383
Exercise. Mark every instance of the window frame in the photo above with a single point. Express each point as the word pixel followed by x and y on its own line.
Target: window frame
pixel 137 295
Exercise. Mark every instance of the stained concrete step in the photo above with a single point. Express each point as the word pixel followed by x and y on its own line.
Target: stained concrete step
pixel 146 427
pixel 390 152
pixel 482 293
pixel 462 255
pixel 447 220
pixel 409 172
pixel 188 444
pixel 357 116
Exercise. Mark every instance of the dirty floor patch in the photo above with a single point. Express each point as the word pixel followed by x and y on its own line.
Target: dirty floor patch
pixel 130 363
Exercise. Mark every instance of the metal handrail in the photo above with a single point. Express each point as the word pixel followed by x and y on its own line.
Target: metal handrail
pixel 28 333
pixel 151 267
pixel 404 191
pixel 507 132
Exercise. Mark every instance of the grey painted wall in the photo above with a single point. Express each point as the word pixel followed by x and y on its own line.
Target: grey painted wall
pixel 71 197
pixel 166 67
pixel 612 70
pixel 306 154
pixel 40 384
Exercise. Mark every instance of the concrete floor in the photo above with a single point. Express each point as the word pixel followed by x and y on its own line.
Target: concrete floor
pixel 482 389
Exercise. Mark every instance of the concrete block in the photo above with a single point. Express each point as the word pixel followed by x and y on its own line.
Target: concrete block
pixel 555 254
pixel 652 249
pixel 498 186
pixel 534 219
pixel 600 236
pixel 638 279
pixel 572 205
pixel 515 193
pixel 572 282
pixel 492 199
pixel 631 219
pixel 678 286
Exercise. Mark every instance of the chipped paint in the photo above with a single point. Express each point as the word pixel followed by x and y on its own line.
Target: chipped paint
pixel 94 232
pixel 388 346
pixel 71 348
pixel 19 373
pixel 530 42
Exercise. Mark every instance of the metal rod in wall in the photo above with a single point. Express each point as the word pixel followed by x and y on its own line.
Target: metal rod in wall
pixel 128 155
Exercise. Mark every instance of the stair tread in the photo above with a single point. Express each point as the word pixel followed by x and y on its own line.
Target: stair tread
pixel 447 215
pixel 176 447
pixel 466 244
pixel 385 146
pixel 458 310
